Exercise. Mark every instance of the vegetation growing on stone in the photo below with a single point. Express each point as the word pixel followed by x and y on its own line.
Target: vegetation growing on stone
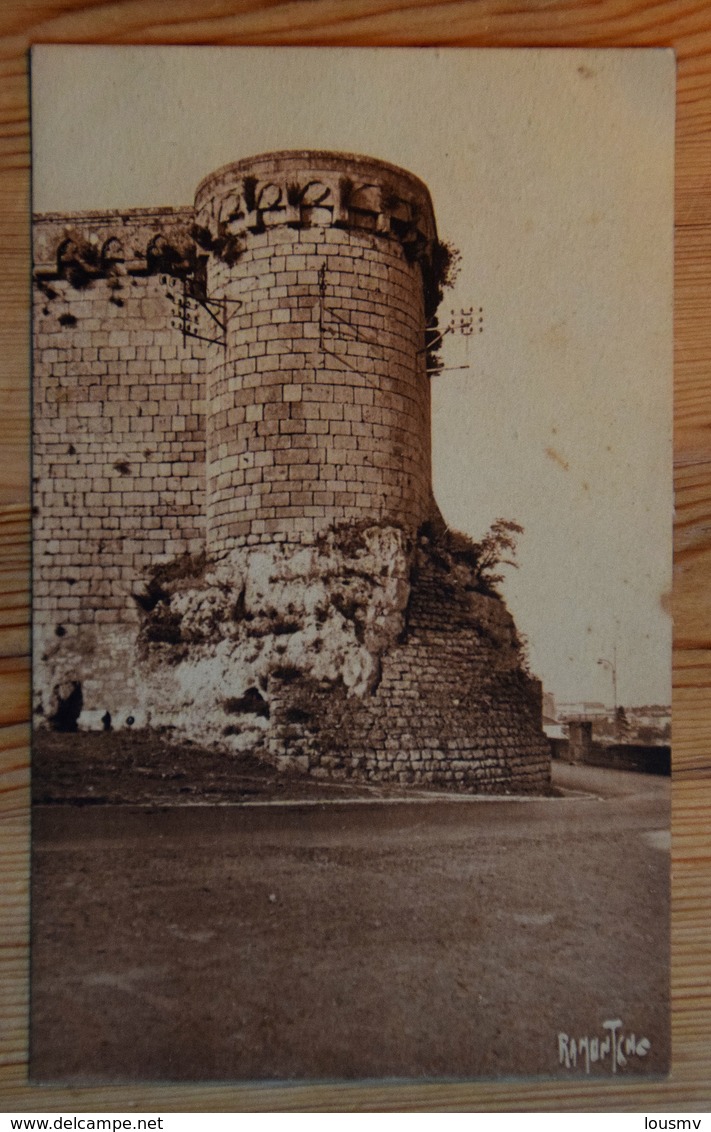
pixel 497 548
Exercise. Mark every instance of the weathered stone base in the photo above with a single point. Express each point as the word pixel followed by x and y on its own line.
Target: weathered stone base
pixel 453 707
pixel 367 656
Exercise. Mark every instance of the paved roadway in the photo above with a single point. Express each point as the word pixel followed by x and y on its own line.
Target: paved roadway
pixel 349 940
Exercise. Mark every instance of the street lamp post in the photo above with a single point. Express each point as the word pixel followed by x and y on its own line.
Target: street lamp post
pixel 612 665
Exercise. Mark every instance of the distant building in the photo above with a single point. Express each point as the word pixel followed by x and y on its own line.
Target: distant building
pixel 584 709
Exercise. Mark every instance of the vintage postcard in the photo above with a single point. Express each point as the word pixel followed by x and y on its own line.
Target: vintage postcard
pixel 352 512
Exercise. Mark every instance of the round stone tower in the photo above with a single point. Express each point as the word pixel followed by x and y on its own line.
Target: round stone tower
pixel 319 407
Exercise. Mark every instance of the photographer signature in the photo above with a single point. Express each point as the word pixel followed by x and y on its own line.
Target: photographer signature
pixel 613 1046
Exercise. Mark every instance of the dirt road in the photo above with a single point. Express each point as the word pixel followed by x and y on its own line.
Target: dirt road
pixel 351 939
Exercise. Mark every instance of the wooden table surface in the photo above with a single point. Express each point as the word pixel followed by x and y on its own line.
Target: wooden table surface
pixel 684 25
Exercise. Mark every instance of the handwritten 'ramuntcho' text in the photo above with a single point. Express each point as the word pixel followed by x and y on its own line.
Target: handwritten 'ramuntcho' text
pixel 613 1047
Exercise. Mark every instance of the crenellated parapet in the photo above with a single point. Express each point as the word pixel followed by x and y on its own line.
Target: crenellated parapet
pixel 307 189
pixel 295 189
pixel 82 247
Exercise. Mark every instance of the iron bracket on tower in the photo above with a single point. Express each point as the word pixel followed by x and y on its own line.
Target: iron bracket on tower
pixel 189 298
pixel 462 323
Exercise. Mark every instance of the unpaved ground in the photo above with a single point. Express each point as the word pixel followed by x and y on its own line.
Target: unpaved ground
pixel 150 768
pixel 350 939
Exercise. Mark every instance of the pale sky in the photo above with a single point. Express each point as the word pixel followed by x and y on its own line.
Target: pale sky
pixel 552 172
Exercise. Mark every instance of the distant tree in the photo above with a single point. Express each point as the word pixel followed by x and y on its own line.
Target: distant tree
pixel 622 725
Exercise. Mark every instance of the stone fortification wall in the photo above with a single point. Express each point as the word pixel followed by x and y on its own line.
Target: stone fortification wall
pixel 118 436
pixel 119 416
pixel 367 655
pixel 232 476
pixel 320 407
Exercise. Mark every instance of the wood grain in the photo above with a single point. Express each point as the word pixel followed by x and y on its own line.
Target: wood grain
pixel 681 24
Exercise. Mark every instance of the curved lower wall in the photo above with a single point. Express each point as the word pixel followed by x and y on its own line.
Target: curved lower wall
pixel 453 706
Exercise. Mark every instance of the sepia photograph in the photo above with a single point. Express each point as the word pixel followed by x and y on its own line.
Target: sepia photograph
pixel 352 511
